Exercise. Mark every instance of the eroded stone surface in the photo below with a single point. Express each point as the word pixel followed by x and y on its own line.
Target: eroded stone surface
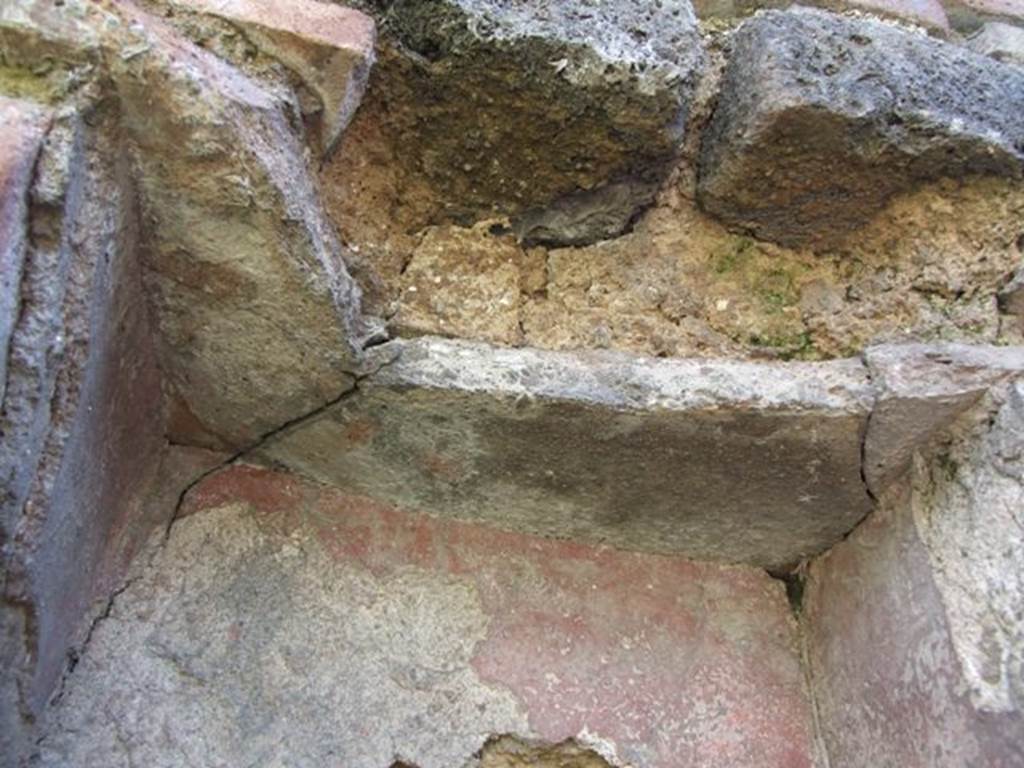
pixel 1011 296
pixel 822 118
pixel 330 47
pixel 914 622
pixel 462 283
pixel 927 13
pixel 1002 42
pixel 23 126
pixel 734 461
pixel 514 106
pixel 969 15
pixel 969 510
pixel 258 316
pixel 81 419
pixel 285 622
pixel 922 389
pixel 927 268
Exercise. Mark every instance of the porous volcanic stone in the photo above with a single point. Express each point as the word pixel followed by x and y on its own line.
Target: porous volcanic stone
pixel 512 106
pixel 740 462
pixel 821 119
pixel 287 623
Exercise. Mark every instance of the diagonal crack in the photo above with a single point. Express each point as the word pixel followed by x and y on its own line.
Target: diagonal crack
pixel 76 653
pixel 269 435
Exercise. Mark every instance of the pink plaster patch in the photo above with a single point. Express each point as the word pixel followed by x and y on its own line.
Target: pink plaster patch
pixel 675 663
pixel 266 490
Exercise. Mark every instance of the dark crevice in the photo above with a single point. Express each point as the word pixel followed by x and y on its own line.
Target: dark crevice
pixel 867 428
pixel 795 580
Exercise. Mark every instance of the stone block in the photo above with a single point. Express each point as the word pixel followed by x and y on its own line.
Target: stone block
pixel 81 419
pixel 564 116
pixel 913 623
pixel 922 389
pixel 329 46
pixel 732 461
pixel 1002 42
pixel 258 317
pixel 970 15
pixel 927 13
pixel 822 119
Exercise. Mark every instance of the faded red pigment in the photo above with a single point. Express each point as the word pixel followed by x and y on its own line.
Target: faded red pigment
pixel 673 662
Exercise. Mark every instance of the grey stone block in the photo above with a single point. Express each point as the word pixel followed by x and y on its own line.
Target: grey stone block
pixel 821 119
pixel 518 108
pixel 922 389
pixel 732 461
pixel 1002 42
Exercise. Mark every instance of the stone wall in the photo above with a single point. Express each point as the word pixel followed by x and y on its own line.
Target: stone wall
pixel 913 624
pixel 82 404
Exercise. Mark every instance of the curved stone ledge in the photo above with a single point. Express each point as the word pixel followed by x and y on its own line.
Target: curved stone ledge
pixel 754 462
pixel 732 461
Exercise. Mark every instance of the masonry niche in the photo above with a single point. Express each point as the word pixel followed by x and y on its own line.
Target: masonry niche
pixel 480 384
